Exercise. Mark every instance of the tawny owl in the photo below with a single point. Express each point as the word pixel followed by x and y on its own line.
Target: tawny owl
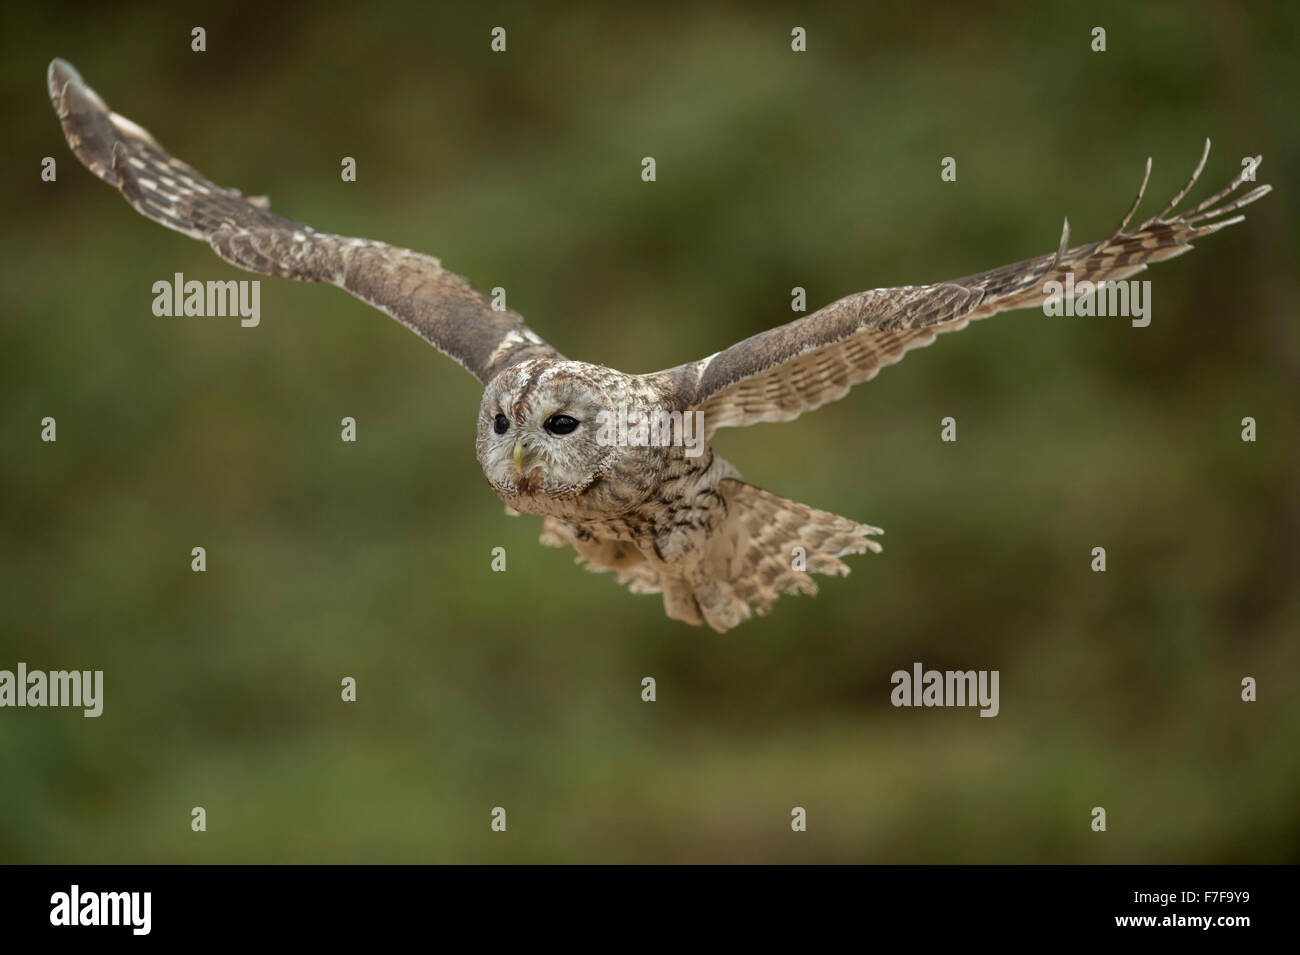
pixel 617 464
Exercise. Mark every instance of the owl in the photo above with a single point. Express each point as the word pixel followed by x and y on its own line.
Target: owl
pixel 619 466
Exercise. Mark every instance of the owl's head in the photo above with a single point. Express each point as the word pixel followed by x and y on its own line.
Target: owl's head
pixel 538 430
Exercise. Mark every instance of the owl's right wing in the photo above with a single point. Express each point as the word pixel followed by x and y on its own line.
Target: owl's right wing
pixel 778 374
pixel 439 306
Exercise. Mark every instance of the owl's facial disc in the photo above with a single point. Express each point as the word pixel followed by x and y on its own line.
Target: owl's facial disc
pixel 538 435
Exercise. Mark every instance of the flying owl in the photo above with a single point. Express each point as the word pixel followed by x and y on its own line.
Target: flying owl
pixel 582 445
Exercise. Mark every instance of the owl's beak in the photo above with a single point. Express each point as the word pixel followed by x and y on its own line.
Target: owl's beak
pixel 519 457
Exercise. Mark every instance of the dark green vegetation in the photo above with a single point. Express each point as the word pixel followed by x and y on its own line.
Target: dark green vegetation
pixel 521 689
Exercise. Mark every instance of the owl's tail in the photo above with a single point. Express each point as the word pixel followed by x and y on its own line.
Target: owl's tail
pixel 769 545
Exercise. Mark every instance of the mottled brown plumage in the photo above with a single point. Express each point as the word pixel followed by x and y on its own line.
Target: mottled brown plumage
pixel 778 374
pixel 438 305
pixel 663 519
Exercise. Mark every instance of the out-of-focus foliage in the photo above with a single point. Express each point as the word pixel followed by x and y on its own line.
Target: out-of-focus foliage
pixel 522 689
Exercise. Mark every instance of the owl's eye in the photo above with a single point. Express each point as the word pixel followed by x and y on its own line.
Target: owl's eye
pixel 561 424
pixel 500 424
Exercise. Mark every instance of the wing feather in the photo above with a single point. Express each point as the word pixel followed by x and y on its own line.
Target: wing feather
pixel 439 306
pixel 778 374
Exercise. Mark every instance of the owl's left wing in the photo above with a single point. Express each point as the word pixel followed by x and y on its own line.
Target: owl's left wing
pixel 438 305
pixel 778 374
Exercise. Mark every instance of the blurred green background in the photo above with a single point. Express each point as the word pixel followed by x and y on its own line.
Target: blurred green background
pixel 522 689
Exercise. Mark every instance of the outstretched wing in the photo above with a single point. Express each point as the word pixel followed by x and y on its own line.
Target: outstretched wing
pixel 439 306
pixel 781 373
